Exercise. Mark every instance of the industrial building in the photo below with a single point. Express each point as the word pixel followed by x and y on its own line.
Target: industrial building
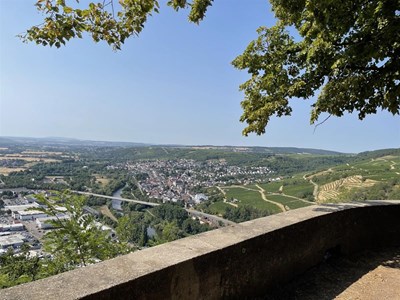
pixel 11 227
pixel 15 241
pixel 44 223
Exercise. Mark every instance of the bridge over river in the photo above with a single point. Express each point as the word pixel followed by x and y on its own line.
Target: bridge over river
pixel 191 212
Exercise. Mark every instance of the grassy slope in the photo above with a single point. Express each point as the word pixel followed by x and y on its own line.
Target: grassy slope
pixel 377 170
pixel 250 198
pixel 378 166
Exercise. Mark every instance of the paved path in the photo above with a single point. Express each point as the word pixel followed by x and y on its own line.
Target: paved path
pixel 210 217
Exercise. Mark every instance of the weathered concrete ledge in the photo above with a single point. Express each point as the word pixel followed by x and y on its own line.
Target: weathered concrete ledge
pixel 241 261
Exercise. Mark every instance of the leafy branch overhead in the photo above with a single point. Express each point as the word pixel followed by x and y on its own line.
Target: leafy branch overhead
pixel 347 51
pixel 107 20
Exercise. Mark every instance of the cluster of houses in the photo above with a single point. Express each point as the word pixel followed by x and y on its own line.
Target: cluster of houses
pixel 177 180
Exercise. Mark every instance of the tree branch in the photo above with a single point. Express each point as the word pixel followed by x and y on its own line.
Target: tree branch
pixel 320 123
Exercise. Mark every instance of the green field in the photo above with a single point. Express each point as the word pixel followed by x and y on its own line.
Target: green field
pixel 250 198
pixel 379 169
pixel 299 189
pixel 271 187
pixel 287 201
pixel 218 208
pixel 383 170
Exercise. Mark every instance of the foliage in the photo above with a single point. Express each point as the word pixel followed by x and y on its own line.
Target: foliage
pixel 170 222
pixel 132 228
pixel 75 242
pixel 19 268
pixel 104 20
pixel 96 201
pixel 389 190
pixel 243 213
pixel 7 195
pixel 345 51
pixel 170 213
pixel 378 153
pixel 78 240
pixel 167 232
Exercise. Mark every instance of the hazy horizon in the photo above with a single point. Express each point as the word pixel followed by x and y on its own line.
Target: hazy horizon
pixel 180 144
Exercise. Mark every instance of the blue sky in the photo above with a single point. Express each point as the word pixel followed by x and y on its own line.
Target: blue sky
pixel 173 84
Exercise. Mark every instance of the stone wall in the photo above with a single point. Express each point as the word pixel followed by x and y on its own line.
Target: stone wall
pixel 241 261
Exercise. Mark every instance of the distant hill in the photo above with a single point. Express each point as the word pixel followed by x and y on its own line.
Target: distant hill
pixel 379 153
pixel 71 142
pixel 264 150
pixel 288 150
pixel 63 142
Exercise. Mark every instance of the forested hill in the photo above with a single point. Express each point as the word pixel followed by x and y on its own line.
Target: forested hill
pixel 60 142
pixel 54 142
pixel 378 153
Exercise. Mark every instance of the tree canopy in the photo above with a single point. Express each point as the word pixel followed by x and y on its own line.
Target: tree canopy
pixel 77 240
pixel 346 52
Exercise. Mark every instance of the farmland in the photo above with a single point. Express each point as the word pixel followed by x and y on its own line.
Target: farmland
pixel 22 160
pixel 269 196
pixel 250 197
pixel 366 177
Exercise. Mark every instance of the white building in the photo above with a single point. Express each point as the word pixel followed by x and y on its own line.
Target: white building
pixel 11 227
pixel 15 240
pixel 198 198
pixel 43 223
pixel 27 215
pixel 14 208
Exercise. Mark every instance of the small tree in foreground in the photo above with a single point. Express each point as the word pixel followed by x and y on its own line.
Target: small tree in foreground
pixel 19 268
pixel 77 241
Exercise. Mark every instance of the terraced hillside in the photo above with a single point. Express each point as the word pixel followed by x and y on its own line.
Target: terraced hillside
pixel 332 190
pixel 374 178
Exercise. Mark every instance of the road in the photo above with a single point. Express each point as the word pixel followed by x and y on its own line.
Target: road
pixel 197 213
pixel 190 211
pixel 117 198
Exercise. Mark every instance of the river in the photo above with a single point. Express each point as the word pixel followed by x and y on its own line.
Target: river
pixel 116 204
